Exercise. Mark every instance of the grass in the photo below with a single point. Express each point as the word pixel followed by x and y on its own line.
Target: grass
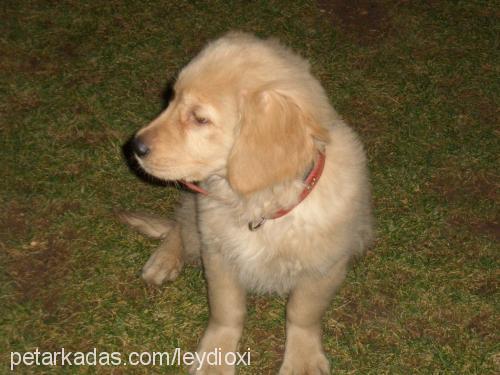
pixel 417 80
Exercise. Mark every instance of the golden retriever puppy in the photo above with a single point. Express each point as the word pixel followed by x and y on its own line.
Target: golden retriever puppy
pixel 283 198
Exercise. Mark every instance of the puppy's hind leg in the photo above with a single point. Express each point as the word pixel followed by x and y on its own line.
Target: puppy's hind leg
pixel 166 263
pixel 180 240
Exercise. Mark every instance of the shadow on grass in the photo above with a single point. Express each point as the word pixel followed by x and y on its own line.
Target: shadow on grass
pixel 127 149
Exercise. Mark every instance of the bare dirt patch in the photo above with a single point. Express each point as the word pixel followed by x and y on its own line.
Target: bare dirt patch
pixel 18 219
pixel 37 259
pixel 31 64
pixel 490 228
pixel 487 286
pixel 16 106
pixel 39 269
pixel 13 222
pixel 87 137
pixel 364 20
pixel 462 186
pixel 481 324
pixel 366 308
pixel 480 226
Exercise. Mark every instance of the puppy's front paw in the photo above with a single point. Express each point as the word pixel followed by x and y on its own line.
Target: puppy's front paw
pixel 163 265
pixel 304 354
pixel 211 370
pixel 215 344
pixel 315 364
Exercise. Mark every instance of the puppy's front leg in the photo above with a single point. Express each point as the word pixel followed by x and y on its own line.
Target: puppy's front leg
pixel 306 306
pixel 227 300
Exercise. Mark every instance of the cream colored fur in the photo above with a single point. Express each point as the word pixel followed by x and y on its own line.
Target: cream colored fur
pixel 266 118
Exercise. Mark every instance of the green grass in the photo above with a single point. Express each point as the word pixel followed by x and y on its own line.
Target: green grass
pixel 417 80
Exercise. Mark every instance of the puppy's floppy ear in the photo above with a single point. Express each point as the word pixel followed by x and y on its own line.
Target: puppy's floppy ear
pixel 275 143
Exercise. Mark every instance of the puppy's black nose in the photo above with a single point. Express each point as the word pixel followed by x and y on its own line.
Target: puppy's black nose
pixel 139 147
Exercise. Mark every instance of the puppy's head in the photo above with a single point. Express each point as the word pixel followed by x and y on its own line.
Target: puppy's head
pixel 235 114
pixel 191 139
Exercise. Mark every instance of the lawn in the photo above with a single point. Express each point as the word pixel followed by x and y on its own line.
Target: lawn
pixel 418 80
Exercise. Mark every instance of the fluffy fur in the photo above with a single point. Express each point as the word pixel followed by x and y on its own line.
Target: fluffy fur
pixel 247 121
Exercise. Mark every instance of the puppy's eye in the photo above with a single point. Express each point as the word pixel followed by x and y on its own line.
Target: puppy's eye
pixel 200 120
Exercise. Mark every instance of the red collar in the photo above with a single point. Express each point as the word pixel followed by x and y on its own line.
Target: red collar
pixel 310 183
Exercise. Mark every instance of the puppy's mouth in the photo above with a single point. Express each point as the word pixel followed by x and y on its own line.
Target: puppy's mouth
pixel 172 172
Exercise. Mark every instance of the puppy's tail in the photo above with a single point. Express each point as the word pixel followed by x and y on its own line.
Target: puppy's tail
pixel 153 226
pixel 183 226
